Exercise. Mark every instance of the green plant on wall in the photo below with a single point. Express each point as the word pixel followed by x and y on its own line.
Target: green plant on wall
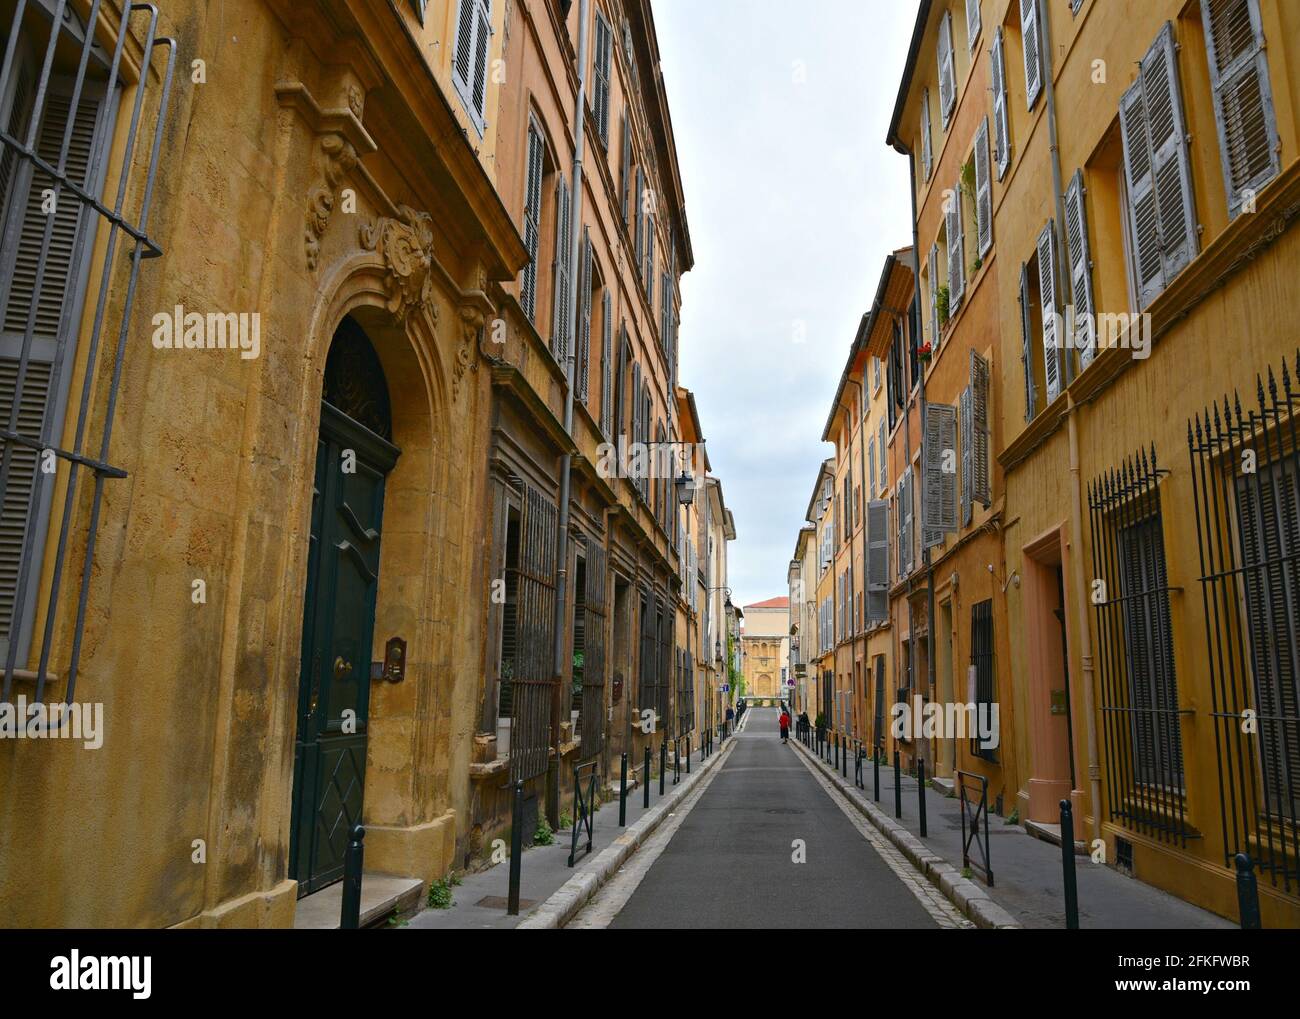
pixel 968 178
pixel 941 299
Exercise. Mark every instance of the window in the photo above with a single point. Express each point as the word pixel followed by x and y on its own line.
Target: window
pixel 884 470
pixel 1047 277
pixel 939 483
pixel 601 69
pixel 1157 174
pixel 1080 269
pixel 1001 123
pixel 470 58
pixel 1032 42
pixel 932 280
pixel 532 219
pixel 972 23
pixel 956 250
pixel 561 327
pixel 947 74
pixel 1243 98
pixel 586 287
pixel 903 499
pixel 981 660
pixel 983 190
pixel 607 365
pixel 927 153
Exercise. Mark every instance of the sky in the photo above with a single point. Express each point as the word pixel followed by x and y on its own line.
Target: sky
pixel 793 200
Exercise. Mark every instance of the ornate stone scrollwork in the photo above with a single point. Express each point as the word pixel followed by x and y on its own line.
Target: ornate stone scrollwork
pixel 471 321
pixel 406 246
pixel 340 158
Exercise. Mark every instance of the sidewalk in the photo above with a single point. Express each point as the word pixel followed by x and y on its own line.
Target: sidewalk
pixel 479 902
pixel 1026 870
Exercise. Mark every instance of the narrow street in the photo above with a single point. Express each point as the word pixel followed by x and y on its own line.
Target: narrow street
pixel 728 860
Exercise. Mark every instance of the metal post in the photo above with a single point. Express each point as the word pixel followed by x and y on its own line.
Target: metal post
pixel 516 849
pixel 844 759
pixel 663 763
pixel 1247 893
pixel 875 772
pixel 898 786
pixel 350 919
pixel 836 740
pixel 622 790
pixel 1067 867
pixel 920 793
pixel 688 755
pixel 645 780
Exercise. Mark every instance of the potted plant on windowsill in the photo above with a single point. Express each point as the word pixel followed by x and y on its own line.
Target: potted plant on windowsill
pixel 924 352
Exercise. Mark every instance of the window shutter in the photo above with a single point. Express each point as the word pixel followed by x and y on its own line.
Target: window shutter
pixel 1076 228
pixel 1033 51
pixel 1169 160
pixel 637 202
pixel 532 221
pixel 947 78
pixel 956 253
pixel 600 93
pixel 648 273
pixel 884 469
pixel 1047 291
pixel 1243 97
pixel 625 170
pixel 967 453
pixel 607 365
pixel 972 22
pixel 1139 180
pixel 983 190
pixel 463 61
pixel 871 466
pixel 904 499
pixel 933 273
pixel 979 388
pixel 560 273
pixel 469 63
pixel 1001 124
pixel 635 476
pixel 927 152
pixel 939 487
pixel 582 369
pixel 1026 344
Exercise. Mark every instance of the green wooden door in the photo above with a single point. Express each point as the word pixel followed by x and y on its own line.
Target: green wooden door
pixel 337 640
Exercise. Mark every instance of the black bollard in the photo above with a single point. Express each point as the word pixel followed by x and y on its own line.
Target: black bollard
pixel 645 779
pixel 844 759
pixel 875 772
pixel 622 790
pixel 1067 867
pixel 350 919
pixel 663 764
pixel 837 750
pixel 898 786
pixel 516 849
pixel 688 755
pixel 1247 894
pixel 920 793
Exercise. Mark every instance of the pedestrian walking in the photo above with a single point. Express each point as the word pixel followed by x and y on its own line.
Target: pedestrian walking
pixel 785 726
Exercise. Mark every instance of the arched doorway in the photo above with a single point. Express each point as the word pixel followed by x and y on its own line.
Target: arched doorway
pixel 354 454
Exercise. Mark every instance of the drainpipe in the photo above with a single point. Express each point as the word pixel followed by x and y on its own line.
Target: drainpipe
pixel 862 456
pixel 566 460
pixel 1071 418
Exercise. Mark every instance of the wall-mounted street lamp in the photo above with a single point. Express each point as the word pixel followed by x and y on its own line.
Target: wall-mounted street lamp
pixel 685 489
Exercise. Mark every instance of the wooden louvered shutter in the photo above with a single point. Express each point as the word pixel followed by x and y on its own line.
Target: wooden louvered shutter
pixel 1243 97
pixel 947 75
pixel 871 467
pixel 904 500
pixel 470 59
pixel 1001 122
pixel 981 490
pixel 625 169
pixel 1171 170
pixel 927 153
pixel 933 274
pixel 884 459
pixel 877 560
pixel 52 305
pixel 560 273
pixel 1080 265
pixel 939 486
pixel 1027 344
pixel 607 365
pixel 972 22
pixel 967 419
pixel 1139 183
pixel 956 252
pixel 601 65
pixel 532 220
pixel 582 370
pixel 1047 292
pixel 1032 43
pixel 983 190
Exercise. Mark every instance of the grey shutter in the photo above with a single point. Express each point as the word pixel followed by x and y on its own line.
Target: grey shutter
pixel 463 59
pixel 483 23
pixel 1027 344
pixel 601 65
pixel 1047 291
pixel 560 274
pixel 1139 182
pixel 981 490
pixel 972 22
pixel 927 152
pixel 582 369
pixel 933 273
pixel 607 365
pixel 1243 97
pixel 532 221
pixel 625 170
pixel 956 253
pixel 1001 123
pixel 967 453
pixel 871 467
pixel 635 475
pixel 1033 51
pixel 469 61
pixel 54 308
pixel 1169 160
pixel 983 190
pixel 638 201
pixel 904 499
pixel 649 274
pixel 1080 266
pixel 877 561
pixel 947 75
pixel 939 487
pixel 884 460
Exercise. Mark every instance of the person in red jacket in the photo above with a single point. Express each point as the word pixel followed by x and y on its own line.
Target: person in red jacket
pixel 785 726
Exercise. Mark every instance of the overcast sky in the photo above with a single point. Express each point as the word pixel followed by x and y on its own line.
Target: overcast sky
pixel 793 200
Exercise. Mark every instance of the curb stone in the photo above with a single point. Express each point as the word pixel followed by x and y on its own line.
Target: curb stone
pixel 571 896
pixel 962 892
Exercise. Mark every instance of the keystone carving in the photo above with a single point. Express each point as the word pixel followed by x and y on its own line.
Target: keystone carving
pixel 406 246
pixel 340 158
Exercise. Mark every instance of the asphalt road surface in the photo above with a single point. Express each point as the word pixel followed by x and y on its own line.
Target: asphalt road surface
pixel 729 859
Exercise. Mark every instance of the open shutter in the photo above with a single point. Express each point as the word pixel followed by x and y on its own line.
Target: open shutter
pixel 635 475
pixel 1139 181
pixel 972 23
pixel 600 93
pixel 1033 51
pixel 939 485
pixel 927 152
pixel 871 467
pixel 983 190
pixel 904 500
pixel 1169 161
pixel 1076 228
pixel 877 561
pixel 1001 122
pixel 956 253
pixel 625 169
pixel 582 370
pixel 1243 97
pixel 469 62
pixel 560 274
pixel 884 460
pixel 979 390
pixel 532 221
pixel 966 417
pixel 933 274
pixel 1047 291
pixel 637 202
pixel 1026 344
pixel 607 365
pixel 947 77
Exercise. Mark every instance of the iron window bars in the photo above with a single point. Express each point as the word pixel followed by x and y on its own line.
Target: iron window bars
pixel 1246 489
pixel 41 295
pixel 1139 691
pixel 981 658
pixel 532 684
